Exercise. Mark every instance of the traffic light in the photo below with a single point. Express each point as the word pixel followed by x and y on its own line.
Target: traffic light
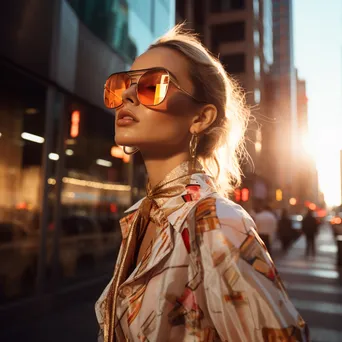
pixel 237 194
pixel 312 206
pixel 279 195
pixel 245 195
pixel 75 124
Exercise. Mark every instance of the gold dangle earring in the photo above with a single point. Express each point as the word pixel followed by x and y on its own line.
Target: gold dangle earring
pixel 193 149
pixel 130 152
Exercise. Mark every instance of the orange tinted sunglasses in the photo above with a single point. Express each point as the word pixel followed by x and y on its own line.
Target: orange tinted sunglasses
pixel 152 86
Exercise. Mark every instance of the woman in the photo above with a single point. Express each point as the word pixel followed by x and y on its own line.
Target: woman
pixel 191 266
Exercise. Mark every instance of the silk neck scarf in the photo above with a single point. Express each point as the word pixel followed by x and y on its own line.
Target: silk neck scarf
pixel 150 209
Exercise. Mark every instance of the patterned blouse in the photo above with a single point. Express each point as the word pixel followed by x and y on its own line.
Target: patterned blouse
pixel 206 276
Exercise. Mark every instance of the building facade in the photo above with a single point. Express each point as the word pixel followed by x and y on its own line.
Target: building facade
pixel 240 33
pixel 283 101
pixel 306 178
pixel 62 188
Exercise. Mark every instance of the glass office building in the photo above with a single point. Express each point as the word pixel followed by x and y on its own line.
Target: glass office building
pixel 63 184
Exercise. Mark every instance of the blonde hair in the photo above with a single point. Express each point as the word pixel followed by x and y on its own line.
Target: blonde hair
pixel 221 147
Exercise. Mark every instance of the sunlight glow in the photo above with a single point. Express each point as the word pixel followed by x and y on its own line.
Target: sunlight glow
pixel 320 65
pixel 307 145
pixel 328 165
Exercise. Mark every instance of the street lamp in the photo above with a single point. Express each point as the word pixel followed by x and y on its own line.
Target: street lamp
pixel 53 156
pixel 105 163
pixel 292 201
pixel 279 195
pixel 32 137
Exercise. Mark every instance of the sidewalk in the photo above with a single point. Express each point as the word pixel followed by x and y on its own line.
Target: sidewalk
pixel 314 285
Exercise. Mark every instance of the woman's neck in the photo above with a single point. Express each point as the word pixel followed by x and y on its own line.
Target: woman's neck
pixel 158 168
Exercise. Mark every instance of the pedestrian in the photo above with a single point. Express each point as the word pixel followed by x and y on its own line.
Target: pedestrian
pixel 266 223
pixel 309 228
pixel 191 266
pixel 285 230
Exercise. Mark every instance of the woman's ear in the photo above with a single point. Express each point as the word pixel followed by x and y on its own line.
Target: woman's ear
pixel 204 119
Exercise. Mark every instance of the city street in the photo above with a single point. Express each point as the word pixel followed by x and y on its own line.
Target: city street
pixel 103 102
pixel 314 286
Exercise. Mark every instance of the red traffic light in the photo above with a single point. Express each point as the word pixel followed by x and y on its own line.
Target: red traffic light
pixel 237 194
pixel 245 195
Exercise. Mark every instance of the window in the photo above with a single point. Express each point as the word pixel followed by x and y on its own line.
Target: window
pixel 160 19
pixel 22 127
pixel 257 95
pixel 166 4
pixel 256 8
pixel 257 67
pixel 256 38
pixel 108 20
pixel 228 32
pixel 268 32
pixel 226 5
pixel 143 9
pixel 235 63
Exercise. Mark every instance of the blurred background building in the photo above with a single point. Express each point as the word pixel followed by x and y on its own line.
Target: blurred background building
pixel 254 41
pixel 306 181
pixel 295 174
pixel 63 185
pixel 240 33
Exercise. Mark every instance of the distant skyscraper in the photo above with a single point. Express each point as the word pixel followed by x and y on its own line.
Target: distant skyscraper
pixel 239 32
pixel 284 97
pixel 305 184
pixel 282 37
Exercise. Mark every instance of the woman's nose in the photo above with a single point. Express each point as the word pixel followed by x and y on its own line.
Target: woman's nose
pixel 130 95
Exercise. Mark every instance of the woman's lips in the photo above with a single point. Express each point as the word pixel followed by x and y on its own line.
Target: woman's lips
pixel 125 121
pixel 125 118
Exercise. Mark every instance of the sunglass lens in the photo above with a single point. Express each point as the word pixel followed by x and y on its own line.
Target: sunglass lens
pixel 152 87
pixel 115 86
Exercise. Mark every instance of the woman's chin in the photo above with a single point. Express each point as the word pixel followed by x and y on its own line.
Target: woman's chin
pixel 125 142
